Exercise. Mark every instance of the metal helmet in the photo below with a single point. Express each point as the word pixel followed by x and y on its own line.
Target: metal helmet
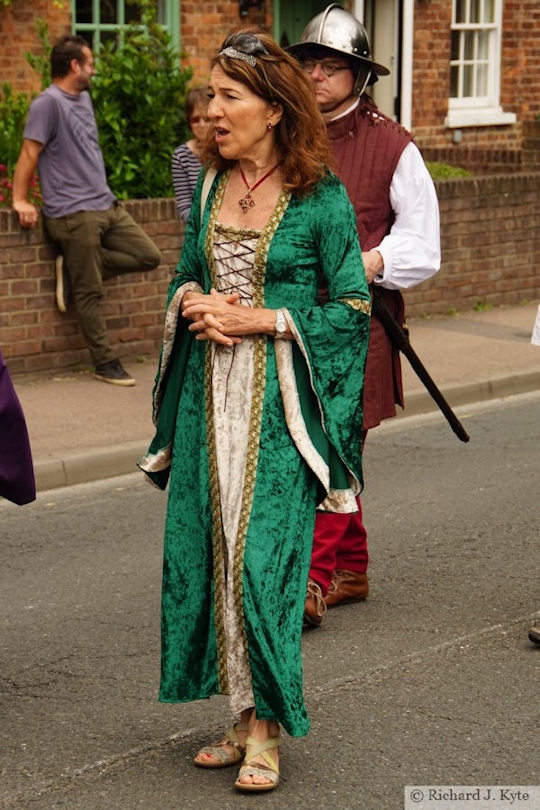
pixel 339 31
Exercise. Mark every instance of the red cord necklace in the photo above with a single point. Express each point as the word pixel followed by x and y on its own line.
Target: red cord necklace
pixel 247 201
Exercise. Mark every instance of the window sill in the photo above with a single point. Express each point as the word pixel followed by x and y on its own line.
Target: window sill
pixel 491 117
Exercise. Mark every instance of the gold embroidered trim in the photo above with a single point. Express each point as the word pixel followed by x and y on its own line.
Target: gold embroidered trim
pixel 209 241
pixel 259 383
pixel 252 457
pixel 257 397
pixel 218 539
pixel 172 317
pixel 358 304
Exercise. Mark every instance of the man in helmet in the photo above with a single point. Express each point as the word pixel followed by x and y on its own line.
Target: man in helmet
pixel 398 225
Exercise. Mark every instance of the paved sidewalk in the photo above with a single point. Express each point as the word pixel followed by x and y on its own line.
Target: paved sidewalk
pixel 82 429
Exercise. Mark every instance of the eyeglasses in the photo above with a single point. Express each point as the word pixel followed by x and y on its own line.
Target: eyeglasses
pixel 246 43
pixel 327 67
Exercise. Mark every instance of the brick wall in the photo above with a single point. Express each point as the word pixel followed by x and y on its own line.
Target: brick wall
pixel 34 336
pixel 204 26
pixel 490 247
pixel 489 161
pixel 520 68
pixel 431 71
pixel 18 37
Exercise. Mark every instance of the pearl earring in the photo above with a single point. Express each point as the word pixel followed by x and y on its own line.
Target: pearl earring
pixel 269 127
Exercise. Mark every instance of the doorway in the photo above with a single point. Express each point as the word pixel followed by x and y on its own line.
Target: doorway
pixel 292 16
pixel 384 24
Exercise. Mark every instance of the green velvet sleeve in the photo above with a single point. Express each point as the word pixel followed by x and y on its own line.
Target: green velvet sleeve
pixel 176 348
pixel 334 337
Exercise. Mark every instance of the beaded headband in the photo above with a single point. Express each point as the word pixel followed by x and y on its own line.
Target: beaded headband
pixel 234 54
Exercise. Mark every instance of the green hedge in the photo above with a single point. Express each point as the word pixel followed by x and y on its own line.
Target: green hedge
pixel 442 171
pixel 139 95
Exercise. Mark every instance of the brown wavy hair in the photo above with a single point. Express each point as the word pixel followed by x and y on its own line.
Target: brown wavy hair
pixel 300 136
pixel 196 98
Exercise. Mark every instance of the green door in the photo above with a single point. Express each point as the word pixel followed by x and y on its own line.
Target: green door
pixel 292 16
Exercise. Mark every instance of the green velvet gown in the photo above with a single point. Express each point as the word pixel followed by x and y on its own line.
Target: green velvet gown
pixel 303 430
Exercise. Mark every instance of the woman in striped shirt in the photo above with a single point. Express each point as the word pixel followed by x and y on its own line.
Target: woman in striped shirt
pixel 186 163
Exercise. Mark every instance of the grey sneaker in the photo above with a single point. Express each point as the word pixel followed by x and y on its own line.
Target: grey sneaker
pixel 113 373
pixel 63 284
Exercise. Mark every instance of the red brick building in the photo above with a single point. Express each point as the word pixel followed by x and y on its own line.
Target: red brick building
pixel 465 73
pixel 468 86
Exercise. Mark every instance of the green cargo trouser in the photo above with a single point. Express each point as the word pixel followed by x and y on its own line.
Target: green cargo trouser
pixel 98 245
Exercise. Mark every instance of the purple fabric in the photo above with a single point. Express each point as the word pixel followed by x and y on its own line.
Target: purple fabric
pixel 17 481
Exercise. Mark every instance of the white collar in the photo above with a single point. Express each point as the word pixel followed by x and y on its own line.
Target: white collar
pixel 353 106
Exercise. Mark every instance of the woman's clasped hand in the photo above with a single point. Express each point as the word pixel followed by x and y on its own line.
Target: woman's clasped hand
pixel 222 318
pixel 215 317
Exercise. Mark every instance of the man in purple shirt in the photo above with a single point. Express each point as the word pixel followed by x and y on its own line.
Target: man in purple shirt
pixel 96 237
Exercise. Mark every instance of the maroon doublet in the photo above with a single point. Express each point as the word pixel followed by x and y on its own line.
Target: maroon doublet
pixel 367 146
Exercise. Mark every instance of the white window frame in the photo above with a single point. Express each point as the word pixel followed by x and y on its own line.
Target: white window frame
pixel 486 110
pixel 169 17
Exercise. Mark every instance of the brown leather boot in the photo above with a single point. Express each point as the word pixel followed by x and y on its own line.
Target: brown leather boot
pixel 347 586
pixel 315 607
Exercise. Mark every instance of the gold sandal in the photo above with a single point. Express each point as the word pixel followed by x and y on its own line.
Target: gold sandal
pixel 251 768
pixel 219 750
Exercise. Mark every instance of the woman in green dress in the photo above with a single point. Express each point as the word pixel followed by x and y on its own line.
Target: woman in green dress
pixel 257 403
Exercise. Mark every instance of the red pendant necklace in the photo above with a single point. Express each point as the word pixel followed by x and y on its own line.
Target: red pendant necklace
pixel 247 200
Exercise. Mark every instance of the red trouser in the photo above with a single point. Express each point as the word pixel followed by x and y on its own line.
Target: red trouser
pixel 339 541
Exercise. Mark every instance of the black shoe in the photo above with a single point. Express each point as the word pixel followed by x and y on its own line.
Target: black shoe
pixel 63 284
pixel 534 634
pixel 114 373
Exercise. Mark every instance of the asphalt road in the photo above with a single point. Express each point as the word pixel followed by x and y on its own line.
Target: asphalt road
pixel 431 682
